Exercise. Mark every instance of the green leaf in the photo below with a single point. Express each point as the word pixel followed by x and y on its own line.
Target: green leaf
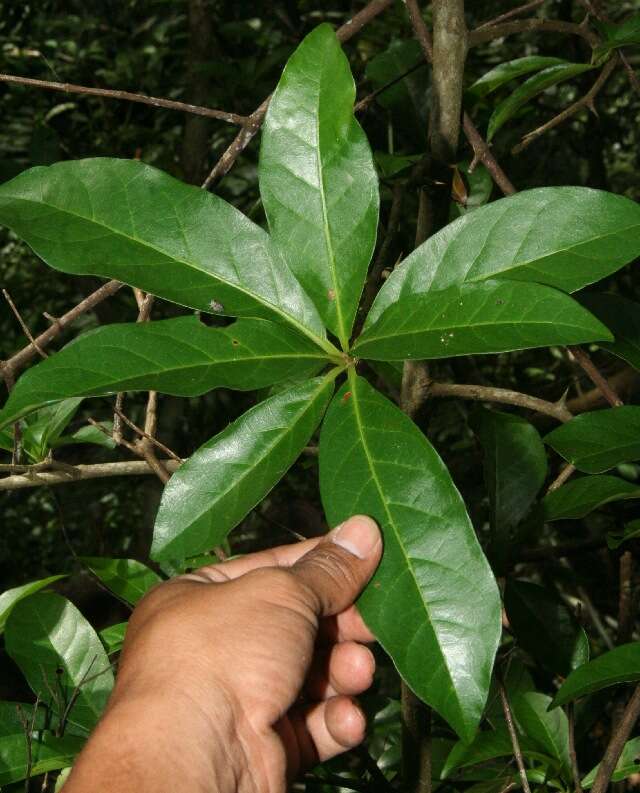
pixel 89 434
pixel 565 237
pixel 180 356
pixel 630 532
pixel 597 441
pixel 486 745
pixel 622 35
pixel 126 220
pixel 6 440
pixel 622 317
pixel 113 637
pixel 578 498
pixel 225 479
pixel 545 628
pixel 620 665
pixel 406 99
pixel 48 753
pixel 627 765
pixel 127 578
pixel 58 651
pixel 550 731
pixel 509 70
pixel 488 317
pixel 544 79
pixel 10 597
pixel 317 179
pixel 433 595
pixel 47 426
pixel 393 164
pixel 515 467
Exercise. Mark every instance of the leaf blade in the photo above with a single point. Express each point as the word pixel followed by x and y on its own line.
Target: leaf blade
pixel 44 633
pixel 565 237
pixel 620 665
pixel 622 317
pixel 179 356
pixel 546 78
pixel 599 440
pixel 210 493
pixel 579 497
pixel 127 220
pixel 372 476
pixel 127 578
pixel 509 70
pixel 317 179
pixel 488 317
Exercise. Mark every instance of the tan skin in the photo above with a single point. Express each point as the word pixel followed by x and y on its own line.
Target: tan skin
pixel 237 677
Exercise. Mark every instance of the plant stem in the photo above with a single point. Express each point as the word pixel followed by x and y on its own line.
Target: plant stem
pixel 575 771
pixel 97 471
pixel 616 743
pixel 515 743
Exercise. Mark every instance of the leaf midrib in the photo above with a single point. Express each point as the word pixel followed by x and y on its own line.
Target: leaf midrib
pixel 320 342
pixel 356 412
pixel 342 334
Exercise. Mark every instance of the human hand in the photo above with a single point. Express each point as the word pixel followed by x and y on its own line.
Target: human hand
pixel 237 676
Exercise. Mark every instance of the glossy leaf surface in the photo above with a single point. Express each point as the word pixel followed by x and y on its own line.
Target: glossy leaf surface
pixel 620 665
pixel 180 356
pixel 599 440
pixel 626 766
pixel 579 497
pixel 317 179
pixel 622 317
pixel 515 467
pixel 549 730
pixel 127 578
pixel 545 628
pixel 544 79
pixel 565 237
pixel 433 595
pixel 126 220
pixel 44 634
pixel 224 479
pixel 508 70
pixel 493 316
pixel 10 597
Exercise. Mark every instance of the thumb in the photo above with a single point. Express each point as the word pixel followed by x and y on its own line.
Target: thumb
pixel 338 568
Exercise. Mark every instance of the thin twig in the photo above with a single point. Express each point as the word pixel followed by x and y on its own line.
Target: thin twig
pixel 108 93
pixel 254 121
pixel 22 357
pixel 23 324
pixel 556 410
pixel 485 34
pixel 28 734
pixel 364 103
pixel 515 12
pixel 623 380
pixel 616 743
pixel 568 112
pixel 95 471
pixel 592 611
pixel 585 362
pixel 566 471
pixel 515 743
pixel 149 437
pixel 573 757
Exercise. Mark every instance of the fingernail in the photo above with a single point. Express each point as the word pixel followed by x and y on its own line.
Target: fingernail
pixel 358 535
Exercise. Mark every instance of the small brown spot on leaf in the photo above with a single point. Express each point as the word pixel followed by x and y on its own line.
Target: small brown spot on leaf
pixel 346 396
pixel 331 294
pixel 235 342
